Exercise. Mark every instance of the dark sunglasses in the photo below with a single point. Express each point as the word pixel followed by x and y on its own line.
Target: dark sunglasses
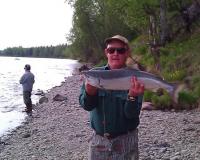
pixel 118 50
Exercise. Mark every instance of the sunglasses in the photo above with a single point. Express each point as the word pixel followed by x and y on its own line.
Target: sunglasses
pixel 118 50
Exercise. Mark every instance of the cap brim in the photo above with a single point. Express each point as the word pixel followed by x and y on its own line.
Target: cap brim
pixel 108 40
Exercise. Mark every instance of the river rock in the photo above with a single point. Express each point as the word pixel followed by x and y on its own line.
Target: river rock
pixel 43 100
pixel 147 106
pixel 59 97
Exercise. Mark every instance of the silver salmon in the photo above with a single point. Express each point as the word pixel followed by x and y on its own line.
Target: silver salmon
pixel 120 79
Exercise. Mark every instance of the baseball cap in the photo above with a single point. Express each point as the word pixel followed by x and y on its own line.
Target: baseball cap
pixel 117 37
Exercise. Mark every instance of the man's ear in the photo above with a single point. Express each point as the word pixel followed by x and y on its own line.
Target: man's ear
pixel 129 51
pixel 105 52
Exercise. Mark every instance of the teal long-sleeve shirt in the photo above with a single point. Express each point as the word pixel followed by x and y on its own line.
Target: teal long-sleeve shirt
pixel 110 111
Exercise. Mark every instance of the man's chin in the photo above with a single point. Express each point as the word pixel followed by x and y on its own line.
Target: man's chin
pixel 115 66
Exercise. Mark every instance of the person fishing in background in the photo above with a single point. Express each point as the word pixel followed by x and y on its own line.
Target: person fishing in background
pixel 27 80
pixel 114 114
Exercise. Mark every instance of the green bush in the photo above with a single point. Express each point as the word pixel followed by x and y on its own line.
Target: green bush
pixel 196 80
pixel 155 101
pixel 101 63
pixel 147 59
pixel 141 50
pixel 197 91
pixel 162 102
pixel 177 75
pixel 165 100
pixel 164 51
pixel 187 99
pixel 148 96
pixel 196 85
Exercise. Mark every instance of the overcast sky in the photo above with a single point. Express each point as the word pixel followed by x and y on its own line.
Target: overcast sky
pixel 30 23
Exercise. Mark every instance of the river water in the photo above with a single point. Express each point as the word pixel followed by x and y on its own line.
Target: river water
pixel 48 73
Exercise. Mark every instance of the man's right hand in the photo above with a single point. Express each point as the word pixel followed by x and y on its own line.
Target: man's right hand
pixel 91 90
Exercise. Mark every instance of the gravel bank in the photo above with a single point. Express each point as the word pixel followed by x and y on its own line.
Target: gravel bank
pixel 59 130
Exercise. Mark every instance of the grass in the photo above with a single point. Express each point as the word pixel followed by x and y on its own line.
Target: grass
pixel 180 62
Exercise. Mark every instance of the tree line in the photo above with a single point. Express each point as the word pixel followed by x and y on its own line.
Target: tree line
pixel 59 51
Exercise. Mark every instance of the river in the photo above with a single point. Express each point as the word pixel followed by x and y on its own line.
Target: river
pixel 48 73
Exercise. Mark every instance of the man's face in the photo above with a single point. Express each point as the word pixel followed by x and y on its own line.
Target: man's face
pixel 117 53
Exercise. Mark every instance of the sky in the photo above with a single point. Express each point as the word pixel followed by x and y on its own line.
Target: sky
pixel 31 23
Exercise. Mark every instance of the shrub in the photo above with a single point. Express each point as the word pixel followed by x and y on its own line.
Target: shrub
pixel 177 75
pixel 196 80
pixel 164 51
pixel 196 85
pixel 165 100
pixel 101 63
pixel 148 96
pixel 187 99
pixel 147 59
pixel 141 50
pixel 197 91
pixel 162 102
pixel 155 101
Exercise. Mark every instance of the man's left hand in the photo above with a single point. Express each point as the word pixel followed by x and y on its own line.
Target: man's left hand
pixel 137 88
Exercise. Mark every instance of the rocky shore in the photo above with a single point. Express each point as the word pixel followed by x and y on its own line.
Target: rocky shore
pixel 59 130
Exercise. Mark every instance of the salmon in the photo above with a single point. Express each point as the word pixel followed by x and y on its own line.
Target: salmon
pixel 120 79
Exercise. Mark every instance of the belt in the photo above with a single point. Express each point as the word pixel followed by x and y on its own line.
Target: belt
pixel 113 135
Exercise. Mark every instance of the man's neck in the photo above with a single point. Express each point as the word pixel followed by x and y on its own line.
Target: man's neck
pixel 117 67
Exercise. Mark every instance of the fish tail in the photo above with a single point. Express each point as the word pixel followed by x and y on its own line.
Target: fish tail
pixel 175 92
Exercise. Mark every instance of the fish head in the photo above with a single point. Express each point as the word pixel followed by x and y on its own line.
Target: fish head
pixel 91 79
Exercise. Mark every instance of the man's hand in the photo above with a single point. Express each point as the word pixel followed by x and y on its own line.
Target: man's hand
pixel 137 88
pixel 91 90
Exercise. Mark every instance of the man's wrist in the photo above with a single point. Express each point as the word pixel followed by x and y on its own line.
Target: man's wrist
pixel 131 98
pixel 90 90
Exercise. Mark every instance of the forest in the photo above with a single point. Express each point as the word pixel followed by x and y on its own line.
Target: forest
pixel 160 21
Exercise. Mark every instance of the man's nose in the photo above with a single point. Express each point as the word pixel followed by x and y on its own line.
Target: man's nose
pixel 115 52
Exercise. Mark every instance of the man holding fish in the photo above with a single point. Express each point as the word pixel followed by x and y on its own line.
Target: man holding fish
pixel 114 113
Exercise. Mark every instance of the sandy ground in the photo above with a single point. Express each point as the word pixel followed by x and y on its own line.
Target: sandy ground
pixel 59 130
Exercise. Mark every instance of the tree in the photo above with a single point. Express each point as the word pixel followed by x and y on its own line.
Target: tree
pixel 164 28
pixel 93 21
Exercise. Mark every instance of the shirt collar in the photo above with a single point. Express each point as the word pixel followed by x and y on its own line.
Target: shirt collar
pixel 106 67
